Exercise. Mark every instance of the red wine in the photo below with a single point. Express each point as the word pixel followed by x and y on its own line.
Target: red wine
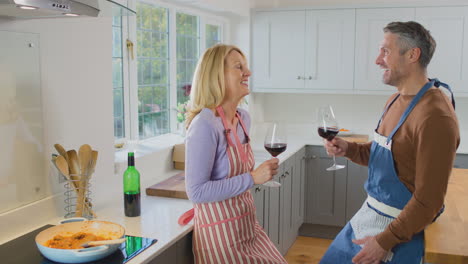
pixel 328 133
pixel 132 204
pixel 276 148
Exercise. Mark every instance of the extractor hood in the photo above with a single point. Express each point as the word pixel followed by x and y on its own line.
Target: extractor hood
pixel 27 9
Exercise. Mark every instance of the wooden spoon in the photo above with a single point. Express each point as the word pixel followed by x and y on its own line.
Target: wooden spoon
pixel 103 242
pixel 62 165
pixel 84 154
pixel 61 151
pixel 92 166
pixel 73 164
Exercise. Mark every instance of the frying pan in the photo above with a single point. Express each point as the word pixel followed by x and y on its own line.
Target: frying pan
pixel 100 228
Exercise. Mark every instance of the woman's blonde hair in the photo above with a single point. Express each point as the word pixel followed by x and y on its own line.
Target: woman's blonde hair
pixel 208 89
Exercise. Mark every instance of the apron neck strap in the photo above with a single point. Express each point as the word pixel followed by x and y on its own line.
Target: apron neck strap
pixel 385 110
pixel 410 108
pixel 227 132
pixel 438 83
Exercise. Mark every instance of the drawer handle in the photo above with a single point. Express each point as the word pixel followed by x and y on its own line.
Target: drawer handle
pixel 257 189
pixel 286 174
pixel 299 77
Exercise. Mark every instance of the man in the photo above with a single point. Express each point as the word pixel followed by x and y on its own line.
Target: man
pixel 409 160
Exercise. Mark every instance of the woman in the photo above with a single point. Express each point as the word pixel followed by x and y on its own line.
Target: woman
pixel 219 164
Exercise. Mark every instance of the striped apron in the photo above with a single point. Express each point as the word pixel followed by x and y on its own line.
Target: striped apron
pixel 387 196
pixel 228 231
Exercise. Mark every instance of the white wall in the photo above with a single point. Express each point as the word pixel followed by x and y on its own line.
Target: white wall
pixel 77 98
pixel 303 3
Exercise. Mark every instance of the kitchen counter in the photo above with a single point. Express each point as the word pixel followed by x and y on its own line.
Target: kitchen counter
pixel 159 214
pixel 158 221
pixel 446 238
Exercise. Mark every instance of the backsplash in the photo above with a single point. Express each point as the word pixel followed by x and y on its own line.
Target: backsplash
pixel 358 113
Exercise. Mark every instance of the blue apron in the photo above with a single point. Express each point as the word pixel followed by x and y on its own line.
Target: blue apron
pixel 387 196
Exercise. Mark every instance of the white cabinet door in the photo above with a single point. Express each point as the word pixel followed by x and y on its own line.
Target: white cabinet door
pixel 369 34
pixel 278 50
pixel 449 28
pixel 329 50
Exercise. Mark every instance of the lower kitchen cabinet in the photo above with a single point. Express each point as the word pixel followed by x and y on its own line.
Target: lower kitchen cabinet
pixel 274 230
pixel 281 210
pixel 326 190
pixel 461 161
pixel 298 189
pixel 179 253
pixel 260 195
pixel 332 197
pixel 288 233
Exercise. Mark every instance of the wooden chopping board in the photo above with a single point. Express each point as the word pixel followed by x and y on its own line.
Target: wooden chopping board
pixel 358 138
pixel 173 187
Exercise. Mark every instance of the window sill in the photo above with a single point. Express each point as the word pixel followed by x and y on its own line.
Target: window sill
pixel 148 146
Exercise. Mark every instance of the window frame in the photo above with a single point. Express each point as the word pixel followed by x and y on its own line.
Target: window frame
pixel 130 70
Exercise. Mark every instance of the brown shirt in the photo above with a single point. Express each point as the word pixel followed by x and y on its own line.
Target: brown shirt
pixel 424 150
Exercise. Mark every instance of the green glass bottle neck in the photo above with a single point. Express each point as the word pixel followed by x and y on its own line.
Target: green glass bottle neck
pixel 131 160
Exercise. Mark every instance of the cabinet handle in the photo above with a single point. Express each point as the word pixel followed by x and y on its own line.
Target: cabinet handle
pixel 286 174
pixel 310 77
pixel 130 49
pixel 257 189
pixel 299 77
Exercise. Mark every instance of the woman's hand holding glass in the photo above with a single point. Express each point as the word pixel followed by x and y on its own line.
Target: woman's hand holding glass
pixel 265 171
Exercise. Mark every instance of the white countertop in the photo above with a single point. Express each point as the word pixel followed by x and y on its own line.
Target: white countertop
pixel 158 220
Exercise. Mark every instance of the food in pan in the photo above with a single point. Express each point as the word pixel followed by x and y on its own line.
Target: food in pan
pixel 74 241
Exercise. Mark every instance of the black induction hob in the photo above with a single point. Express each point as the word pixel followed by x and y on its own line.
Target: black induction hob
pixel 23 250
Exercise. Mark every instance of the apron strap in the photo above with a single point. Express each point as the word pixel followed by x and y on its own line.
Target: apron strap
pixel 385 110
pixel 243 127
pixel 227 132
pixel 410 108
pixel 438 83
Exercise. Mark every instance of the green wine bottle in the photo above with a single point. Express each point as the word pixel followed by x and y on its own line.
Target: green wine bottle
pixel 131 182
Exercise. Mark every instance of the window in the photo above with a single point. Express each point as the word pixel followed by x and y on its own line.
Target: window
pixel 153 70
pixel 188 42
pixel 117 78
pixel 168 42
pixel 213 35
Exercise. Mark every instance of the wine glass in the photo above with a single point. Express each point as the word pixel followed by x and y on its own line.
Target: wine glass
pixel 328 128
pixel 275 144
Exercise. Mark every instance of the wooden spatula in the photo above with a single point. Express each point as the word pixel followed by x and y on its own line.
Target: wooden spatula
pixel 103 242
pixel 84 155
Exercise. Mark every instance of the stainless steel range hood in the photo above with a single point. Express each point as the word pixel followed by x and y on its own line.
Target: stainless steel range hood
pixel 28 9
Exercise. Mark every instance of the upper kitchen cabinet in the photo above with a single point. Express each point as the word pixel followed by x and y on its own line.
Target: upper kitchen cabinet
pixel 329 50
pixel 369 34
pixel 449 27
pixel 278 50
pixel 303 51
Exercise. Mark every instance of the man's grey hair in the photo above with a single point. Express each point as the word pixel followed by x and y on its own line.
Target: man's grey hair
pixel 413 35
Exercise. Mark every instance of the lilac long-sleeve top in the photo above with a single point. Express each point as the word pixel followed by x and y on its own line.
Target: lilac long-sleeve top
pixel 207 162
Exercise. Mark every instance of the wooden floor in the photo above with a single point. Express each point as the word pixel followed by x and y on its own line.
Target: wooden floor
pixel 307 250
